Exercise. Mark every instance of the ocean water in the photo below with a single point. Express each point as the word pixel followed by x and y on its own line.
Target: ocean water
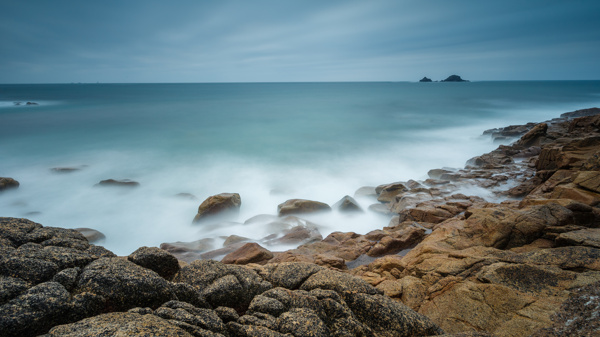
pixel 267 141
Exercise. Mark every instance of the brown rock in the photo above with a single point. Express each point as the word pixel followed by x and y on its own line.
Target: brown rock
pixel 585 237
pixel 248 253
pixel 301 206
pixel 388 192
pixel 532 137
pixel 348 205
pixel 91 235
pixel 6 183
pixel 220 205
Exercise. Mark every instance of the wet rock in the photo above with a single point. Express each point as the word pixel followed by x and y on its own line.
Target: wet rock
pixel 298 235
pixel 224 205
pixel 366 191
pixel 118 183
pixel 67 169
pixel 233 239
pixel 8 183
pixel 347 205
pixel 388 192
pixel 532 137
pixel 156 259
pixel 301 206
pixel 186 196
pixel 113 279
pixel 188 251
pixel 248 253
pixel 91 235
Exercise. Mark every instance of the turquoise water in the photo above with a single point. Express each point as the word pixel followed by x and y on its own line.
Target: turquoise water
pixel 306 140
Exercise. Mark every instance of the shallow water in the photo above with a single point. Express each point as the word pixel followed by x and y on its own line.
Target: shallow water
pixel 267 141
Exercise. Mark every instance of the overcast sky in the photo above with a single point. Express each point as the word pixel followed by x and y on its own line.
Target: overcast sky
pixel 297 40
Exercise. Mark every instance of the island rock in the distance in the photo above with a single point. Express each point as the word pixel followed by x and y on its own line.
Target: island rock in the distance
pixel 454 78
pixel 426 79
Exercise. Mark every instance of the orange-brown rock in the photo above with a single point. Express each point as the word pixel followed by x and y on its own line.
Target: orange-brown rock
pixel 219 206
pixel 249 253
pixel 301 206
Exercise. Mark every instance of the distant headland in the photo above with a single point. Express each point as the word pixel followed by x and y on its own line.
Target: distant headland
pixel 451 78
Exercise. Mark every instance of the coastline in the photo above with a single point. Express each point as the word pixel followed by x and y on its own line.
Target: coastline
pixel 465 263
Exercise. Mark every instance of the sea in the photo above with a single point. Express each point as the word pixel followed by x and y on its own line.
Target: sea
pixel 269 142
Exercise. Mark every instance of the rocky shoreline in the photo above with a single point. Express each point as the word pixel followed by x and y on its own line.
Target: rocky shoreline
pixel 447 262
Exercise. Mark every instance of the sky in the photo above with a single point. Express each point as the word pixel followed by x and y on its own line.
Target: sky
pixel 64 41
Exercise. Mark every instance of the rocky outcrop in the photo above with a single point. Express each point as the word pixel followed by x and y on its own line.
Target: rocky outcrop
pixel 54 282
pixel 454 78
pixel 425 79
pixel 221 206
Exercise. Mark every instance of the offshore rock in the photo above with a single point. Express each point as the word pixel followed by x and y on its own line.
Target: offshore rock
pixel 348 205
pixel 8 183
pixel 118 183
pixel 301 206
pixel 221 206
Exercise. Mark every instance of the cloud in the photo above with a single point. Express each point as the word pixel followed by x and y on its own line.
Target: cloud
pixel 137 41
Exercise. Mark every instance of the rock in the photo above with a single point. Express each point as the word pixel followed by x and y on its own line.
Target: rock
pixel 301 234
pixel 188 251
pixel 91 235
pixel 425 79
pixel 8 183
pixel 187 196
pixel 224 205
pixel 301 206
pixel 578 316
pixel 113 279
pixel 233 239
pixel 120 324
pixel 223 285
pixel 581 113
pixel 248 253
pixel 585 237
pixel 35 311
pixel 67 169
pixel 389 192
pixel 156 259
pixel 348 205
pixel 118 183
pixel 454 78
pixel 366 191
pixel 386 317
pixel 532 138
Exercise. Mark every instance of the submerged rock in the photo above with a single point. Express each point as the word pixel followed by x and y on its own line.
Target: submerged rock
pixel 118 183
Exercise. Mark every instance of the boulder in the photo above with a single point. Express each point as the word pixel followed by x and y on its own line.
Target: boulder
pixel 348 205
pixel 114 278
pixel 224 205
pixel 389 192
pixel 8 183
pixel 36 310
pixel 249 253
pixel 153 258
pixel 301 206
